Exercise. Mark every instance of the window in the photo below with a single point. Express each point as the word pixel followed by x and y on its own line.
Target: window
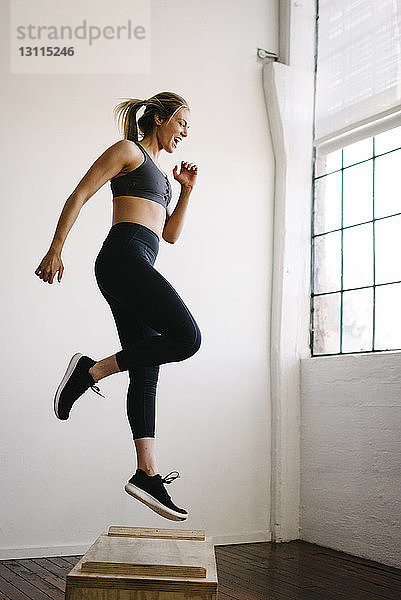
pixel 356 247
pixel 358 63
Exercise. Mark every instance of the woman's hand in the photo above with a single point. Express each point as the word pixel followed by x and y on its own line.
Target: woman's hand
pixel 187 175
pixel 51 263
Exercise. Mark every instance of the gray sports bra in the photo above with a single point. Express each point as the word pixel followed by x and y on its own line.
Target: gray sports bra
pixel 146 181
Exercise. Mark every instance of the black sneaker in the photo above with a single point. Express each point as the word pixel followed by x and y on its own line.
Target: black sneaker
pixel 151 491
pixel 75 382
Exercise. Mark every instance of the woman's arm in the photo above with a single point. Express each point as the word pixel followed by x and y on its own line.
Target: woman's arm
pixel 109 164
pixel 175 220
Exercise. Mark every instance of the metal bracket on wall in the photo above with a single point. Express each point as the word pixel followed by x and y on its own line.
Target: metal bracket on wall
pixel 262 53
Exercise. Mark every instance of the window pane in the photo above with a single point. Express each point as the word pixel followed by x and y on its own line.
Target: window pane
pixel 388 322
pixel 358 194
pixel 327 163
pixel 349 185
pixel 357 320
pixel 359 151
pixel 388 250
pixel 388 140
pixel 327 262
pixel 358 256
pixel 388 184
pixel 326 324
pixel 328 203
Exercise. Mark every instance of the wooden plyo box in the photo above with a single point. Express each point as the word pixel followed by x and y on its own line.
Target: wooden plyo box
pixel 141 563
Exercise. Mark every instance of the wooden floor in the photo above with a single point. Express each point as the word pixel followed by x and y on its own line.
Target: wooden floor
pixel 262 571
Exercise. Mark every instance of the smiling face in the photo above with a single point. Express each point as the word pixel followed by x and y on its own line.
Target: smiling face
pixel 171 131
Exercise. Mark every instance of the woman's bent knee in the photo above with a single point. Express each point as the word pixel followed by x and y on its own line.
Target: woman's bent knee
pixel 194 347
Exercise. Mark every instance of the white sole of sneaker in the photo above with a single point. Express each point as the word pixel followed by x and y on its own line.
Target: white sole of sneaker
pixel 154 504
pixel 70 368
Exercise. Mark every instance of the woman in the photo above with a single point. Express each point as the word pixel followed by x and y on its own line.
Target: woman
pixel 153 323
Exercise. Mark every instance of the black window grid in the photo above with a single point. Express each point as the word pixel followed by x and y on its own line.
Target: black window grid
pixel 341 229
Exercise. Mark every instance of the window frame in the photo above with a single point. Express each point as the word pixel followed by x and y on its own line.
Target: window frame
pixel 341 291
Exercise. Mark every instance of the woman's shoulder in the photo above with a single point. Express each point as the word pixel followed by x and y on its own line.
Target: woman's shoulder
pixel 128 152
pixel 127 147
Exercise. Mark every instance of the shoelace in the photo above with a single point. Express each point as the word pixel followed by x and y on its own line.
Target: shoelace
pixel 168 479
pixel 96 389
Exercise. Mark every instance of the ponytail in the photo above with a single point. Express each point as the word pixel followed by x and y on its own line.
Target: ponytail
pixel 125 114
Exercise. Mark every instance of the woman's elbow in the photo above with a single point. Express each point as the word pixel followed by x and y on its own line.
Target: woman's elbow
pixel 168 239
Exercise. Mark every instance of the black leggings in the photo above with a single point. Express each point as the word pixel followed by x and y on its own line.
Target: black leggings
pixel 153 323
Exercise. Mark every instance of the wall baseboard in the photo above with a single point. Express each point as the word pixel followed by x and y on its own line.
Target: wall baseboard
pixel 80 549
pixel 242 538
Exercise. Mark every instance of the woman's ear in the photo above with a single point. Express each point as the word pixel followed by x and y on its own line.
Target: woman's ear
pixel 158 119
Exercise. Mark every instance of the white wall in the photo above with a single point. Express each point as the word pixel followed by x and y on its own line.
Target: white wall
pixel 62 482
pixel 350 454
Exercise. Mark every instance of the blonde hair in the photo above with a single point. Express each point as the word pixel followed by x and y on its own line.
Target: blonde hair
pixel 164 104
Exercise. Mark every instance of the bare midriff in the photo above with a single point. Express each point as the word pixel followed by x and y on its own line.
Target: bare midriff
pixel 139 210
